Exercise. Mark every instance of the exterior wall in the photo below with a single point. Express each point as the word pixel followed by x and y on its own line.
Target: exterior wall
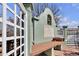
pixel 0 19
pixel 40 28
pixel 43 31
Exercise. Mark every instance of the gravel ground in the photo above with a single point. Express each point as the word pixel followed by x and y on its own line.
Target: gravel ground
pixel 69 50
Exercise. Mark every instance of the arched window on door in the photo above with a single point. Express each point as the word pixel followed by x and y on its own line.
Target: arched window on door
pixel 49 20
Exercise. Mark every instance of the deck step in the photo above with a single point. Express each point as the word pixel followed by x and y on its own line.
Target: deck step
pixel 0 49
pixel 0 54
pixel 58 53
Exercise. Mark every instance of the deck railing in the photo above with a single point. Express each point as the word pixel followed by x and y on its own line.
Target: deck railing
pixel 70 35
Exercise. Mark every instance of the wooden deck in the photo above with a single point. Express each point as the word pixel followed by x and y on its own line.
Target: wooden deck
pixel 39 48
pixel 66 50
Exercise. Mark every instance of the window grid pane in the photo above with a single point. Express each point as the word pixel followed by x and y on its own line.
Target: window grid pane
pixel 10 45
pixel 12 37
pixel 11 5
pixel 10 16
pixel 10 31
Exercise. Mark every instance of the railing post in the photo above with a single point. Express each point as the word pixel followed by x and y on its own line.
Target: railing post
pixel 78 30
pixel 78 37
pixel 64 36
pixel 65 33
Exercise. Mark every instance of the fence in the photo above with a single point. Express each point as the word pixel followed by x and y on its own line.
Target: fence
pixel 71 36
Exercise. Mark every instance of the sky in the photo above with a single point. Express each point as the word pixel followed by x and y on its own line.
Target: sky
pixel 69 14
pixel 0 9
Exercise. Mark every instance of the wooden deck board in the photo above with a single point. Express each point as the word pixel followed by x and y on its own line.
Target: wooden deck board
pixel 39 48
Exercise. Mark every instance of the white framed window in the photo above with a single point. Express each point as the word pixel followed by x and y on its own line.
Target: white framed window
pixel 49 20
pixel 12 30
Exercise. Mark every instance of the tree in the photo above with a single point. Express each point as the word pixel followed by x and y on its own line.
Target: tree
pixel 38 8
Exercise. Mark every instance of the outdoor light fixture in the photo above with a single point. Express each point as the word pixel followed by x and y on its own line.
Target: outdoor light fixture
pixel 34 19
pixel 64 26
